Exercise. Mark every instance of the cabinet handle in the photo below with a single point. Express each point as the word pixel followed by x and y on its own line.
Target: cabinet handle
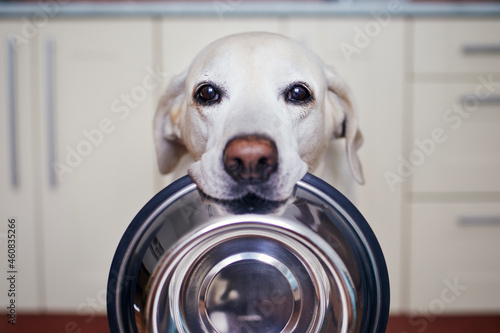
pixel 471 220
pixel 12 105
pixel 474 49
pixel 50 111
pixel 490 100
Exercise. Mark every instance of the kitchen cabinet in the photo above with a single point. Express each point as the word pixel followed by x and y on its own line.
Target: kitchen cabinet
pixel 17 176
pixel 454 257
pixel 456 46
pixel 452 162
pixel 90 156
pixel 464 158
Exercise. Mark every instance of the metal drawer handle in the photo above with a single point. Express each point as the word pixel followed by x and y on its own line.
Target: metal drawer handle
pixel 475 49
pixel 490 100
pixel 471 220
pixel 50 111
pixel 12 105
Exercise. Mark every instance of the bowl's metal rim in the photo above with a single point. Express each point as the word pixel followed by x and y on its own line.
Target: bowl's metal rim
pixel 178 188
pixel 367 236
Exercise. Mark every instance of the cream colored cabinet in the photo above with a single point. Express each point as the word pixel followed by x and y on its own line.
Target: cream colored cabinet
pixel 454 263
pixel 18 239
pixel 97 162
pixel 90 157
pixel 457 46
pixel 451 164
pixel 465 156
pixel 374 70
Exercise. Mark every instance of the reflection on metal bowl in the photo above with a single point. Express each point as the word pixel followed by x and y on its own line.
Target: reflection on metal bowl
pixel 188 263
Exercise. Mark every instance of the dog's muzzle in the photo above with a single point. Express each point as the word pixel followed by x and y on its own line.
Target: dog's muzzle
pixel 190 264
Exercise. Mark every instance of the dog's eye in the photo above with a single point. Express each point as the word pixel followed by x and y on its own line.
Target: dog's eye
pixel 298 94
pixel 207 94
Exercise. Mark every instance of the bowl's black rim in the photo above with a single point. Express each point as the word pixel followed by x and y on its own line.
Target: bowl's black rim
pixel 113 299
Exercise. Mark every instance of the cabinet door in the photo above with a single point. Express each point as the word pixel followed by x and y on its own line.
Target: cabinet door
pixel 97 81
pixel 465 157
pixel 17 160
pixel 374 71
pixel 454 264
pixel 456 46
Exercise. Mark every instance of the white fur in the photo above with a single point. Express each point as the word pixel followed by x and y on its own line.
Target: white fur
pixel 253 69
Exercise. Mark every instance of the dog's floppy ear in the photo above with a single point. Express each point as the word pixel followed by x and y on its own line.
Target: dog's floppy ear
pixel 340 96
pixel 167 125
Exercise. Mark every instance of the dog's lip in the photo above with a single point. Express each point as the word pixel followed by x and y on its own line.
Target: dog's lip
pixel 247 204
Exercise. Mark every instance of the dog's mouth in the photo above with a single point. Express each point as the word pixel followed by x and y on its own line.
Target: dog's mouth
pixel 250 203
pixel 259 182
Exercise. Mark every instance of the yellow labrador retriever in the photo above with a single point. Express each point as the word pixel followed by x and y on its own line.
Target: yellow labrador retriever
pixel 256 111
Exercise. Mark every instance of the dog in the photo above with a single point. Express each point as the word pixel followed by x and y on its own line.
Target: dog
pixel 256 111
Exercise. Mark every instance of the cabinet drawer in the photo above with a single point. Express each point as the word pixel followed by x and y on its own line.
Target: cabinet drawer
pixel 456 46
pixel 466 156
pixel 454 257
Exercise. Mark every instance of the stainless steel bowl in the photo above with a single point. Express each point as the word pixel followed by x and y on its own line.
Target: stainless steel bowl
pixel 188 263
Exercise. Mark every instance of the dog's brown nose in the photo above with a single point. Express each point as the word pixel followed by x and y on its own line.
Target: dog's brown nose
pixel 250 159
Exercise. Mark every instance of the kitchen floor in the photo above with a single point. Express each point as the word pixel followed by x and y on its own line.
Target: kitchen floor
pixel 397 324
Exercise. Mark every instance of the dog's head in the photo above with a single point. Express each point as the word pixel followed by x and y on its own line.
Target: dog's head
pixel 255 111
